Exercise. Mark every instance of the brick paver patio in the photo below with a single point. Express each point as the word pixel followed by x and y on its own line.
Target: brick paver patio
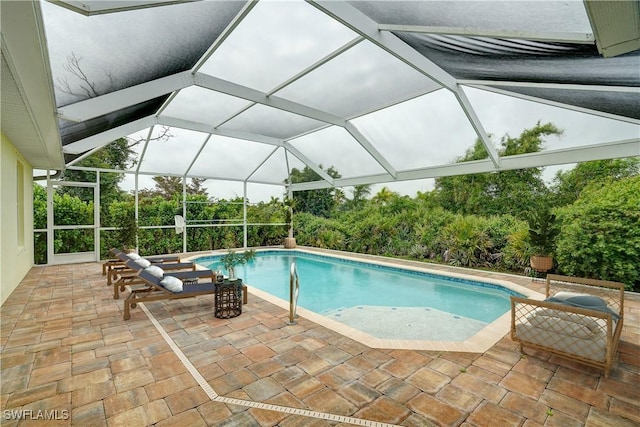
pixel 67 354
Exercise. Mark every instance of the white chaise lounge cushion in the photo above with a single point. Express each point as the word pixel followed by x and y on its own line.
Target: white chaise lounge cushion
pixel 172 284
pixel 144 263
pixel 155 271
pixel 569 324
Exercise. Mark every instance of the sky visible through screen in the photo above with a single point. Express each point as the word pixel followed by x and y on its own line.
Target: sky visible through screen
pixel 273 43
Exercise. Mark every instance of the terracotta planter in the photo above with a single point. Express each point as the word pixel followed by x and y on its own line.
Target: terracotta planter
pixel 289 242
pixel 541 263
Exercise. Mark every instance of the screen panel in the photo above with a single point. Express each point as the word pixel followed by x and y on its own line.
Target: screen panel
pixel 230 157
pixel 427 131
pixel 322 146
pixel 362 79
pixel 173 155
pixel 272 122
pixel 203 105
pixel 523 15
pixel 274 42
pixel 94 55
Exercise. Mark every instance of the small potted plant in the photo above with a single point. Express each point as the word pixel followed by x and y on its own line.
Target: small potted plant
pixel 233 259
pixel 542 232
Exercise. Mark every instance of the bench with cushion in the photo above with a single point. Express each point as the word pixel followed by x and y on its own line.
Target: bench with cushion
pixel 580 319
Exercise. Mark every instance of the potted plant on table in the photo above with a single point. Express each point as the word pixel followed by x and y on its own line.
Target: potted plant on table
pixel 542 232
pixel 233 259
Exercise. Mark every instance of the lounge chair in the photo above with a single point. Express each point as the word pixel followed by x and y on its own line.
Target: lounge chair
pixel 580 319
pixel 118 263
pixel 157 289
pixel 117 272
pixel 130 277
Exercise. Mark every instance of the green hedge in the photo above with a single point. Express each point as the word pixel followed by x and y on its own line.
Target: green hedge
pixel 600 233
pixel 422 234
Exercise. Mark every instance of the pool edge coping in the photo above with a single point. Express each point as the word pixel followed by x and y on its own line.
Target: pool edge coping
pixel 477 343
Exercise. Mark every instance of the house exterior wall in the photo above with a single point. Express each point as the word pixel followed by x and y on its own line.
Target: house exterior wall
pixel 16 251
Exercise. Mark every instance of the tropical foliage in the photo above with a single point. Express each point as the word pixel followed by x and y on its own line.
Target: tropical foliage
pixel 600 232
pixel 480 221
pixel 317 202
pixel 503 192
pixel 542 231
pixel 220 224
pixel 232 259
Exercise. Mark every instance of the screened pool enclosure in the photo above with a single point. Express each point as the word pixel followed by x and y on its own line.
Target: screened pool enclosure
pixel 383 91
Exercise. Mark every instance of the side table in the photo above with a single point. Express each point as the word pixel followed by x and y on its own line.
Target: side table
pixel 228 299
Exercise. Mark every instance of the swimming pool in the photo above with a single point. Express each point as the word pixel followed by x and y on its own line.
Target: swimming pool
pixel 380 300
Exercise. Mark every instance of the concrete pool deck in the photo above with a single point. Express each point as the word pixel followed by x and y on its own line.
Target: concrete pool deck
pixel 65 348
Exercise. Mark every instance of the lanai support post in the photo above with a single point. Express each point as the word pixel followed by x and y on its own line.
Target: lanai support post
pixel 135 210
pixel 244 213
pixel 184 214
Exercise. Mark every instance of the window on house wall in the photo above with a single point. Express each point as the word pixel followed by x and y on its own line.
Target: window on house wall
pixel 20 203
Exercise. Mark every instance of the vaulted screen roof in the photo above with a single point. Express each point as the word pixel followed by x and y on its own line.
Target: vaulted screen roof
pixel 381 90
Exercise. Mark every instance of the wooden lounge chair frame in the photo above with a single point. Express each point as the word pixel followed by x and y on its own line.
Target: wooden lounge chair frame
pixel 130 277
pixel 110 264
pixel 156 292
pixel 551 326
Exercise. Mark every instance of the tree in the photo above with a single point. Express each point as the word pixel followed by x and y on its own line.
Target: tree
pixel 339 197
pixel 317 202
pixel 165 187
pixel 196 186
pixel 85 87
pixel 117 155
pixel 68 210
pixel 568 185
pixel 384 196
pixel 168 186
pixel 503 192
pixel 126 233
pixel 360 193
pixel 39 222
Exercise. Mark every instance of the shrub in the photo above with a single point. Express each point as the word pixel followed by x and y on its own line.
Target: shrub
pixel 600 233
pixel 428 229
pixel 467 241
pixel 506 232
pixel 517 250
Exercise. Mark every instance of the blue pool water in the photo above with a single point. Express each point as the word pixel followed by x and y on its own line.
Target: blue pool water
pixel 329 285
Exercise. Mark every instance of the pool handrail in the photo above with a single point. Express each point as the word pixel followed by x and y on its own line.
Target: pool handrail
pixel 294 291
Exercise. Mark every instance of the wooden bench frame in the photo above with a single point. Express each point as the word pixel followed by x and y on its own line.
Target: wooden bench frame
pixel 522 310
